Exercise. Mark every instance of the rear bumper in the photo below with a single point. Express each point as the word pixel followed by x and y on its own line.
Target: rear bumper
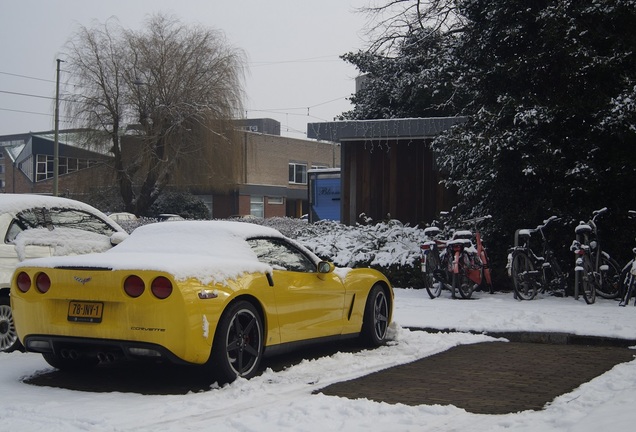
pixel 105 350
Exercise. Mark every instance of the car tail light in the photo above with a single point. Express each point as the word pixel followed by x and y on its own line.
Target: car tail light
pixel 161 287
pixel 43 282
pixel 24 282
pixel 134 286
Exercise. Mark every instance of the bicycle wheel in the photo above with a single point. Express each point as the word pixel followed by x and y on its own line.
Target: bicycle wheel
pixel 630 290
pixel 609 287
pixel 524 276
pixel 588 281
pixel 433 286
pixel 486 274
pixel 461 282
pixel 558 281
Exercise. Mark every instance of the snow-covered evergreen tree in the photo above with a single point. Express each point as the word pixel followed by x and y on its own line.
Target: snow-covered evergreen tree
pixel 550 89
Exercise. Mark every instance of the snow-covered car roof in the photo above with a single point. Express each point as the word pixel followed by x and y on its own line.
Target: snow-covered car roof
pixel 210 251
pixel 15 203
pixel 122 216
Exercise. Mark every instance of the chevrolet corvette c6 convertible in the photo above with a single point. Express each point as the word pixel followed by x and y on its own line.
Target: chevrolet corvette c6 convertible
pixel 219 294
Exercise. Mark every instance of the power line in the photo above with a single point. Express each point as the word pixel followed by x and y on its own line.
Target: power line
pixel 25 112
pixel 26 76
pixel 26 94
pixel 282 110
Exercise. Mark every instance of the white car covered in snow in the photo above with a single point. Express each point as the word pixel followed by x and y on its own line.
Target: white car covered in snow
pixel 35 226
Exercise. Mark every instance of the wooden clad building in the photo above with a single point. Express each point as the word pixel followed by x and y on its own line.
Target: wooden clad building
pixel 388 168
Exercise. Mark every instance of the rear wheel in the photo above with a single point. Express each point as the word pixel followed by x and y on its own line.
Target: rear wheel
pixel 8 336
pixel 238 343
pixel 433 286
pixel 375 323
pixel 524 276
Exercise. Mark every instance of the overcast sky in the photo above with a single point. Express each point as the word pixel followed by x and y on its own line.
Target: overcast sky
pixel 295 74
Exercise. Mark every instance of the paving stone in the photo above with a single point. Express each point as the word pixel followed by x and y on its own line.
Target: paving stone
pixel 488 378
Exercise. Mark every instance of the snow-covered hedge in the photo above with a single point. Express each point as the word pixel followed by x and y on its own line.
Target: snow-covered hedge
pixel 390 246
pixel 382 244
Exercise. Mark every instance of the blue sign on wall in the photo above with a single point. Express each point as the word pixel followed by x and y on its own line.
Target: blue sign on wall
pixel 325 195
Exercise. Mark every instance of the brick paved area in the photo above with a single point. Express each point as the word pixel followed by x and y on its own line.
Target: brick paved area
pixel 488 378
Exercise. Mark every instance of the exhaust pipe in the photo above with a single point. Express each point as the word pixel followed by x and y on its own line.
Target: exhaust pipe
pixel 106 357
pixel 69 354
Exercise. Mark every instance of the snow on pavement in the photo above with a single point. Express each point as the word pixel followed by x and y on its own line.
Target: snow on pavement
pixel 283 401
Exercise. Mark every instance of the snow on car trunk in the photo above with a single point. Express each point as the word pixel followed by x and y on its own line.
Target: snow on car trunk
pixel 210 251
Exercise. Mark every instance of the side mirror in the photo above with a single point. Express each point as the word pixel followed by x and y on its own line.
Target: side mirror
pixel 325 267
pixel 117 238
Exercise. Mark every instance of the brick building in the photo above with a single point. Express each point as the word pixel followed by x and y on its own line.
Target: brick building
pixel 270 178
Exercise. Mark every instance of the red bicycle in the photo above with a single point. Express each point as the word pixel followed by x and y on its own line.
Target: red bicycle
pixel 469 266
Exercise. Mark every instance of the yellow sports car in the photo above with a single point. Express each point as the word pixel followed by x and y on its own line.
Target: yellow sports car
pixel 214 293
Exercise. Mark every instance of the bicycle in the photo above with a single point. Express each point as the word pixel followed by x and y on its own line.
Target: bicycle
pixel 433 261
pixel 531 272
pixel 595 272
pixel 469 266
pixel 628 275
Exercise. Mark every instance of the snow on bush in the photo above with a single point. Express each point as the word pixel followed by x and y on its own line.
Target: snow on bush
pixel 389 246
pixel 383 244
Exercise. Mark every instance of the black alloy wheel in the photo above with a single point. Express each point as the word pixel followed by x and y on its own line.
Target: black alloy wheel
pixel 238 343
pixel 375 322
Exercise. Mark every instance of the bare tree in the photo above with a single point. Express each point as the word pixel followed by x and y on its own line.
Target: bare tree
pixel 165 95
pixel 391 22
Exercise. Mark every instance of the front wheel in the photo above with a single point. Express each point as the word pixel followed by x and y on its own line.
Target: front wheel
pixel 609 287
pixel 630 291
pixel 461 281
pixel 524 276
pixel 238 343
pixel 8 336
pixel 375 322
pixel 587 280
pixel 432 285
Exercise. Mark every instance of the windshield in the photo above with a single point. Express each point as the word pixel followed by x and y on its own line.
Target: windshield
pixel 52 218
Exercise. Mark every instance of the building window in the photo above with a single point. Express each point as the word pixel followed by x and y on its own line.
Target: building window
pixel 275 200
pixel 44 166
pixel 256 206
pixel 297 173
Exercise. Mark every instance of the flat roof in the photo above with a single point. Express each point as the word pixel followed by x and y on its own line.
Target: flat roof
pixel 404 128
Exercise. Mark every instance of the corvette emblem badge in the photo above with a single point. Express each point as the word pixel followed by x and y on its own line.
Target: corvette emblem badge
pixel 82 280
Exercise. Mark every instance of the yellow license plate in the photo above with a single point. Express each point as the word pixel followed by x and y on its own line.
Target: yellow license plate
pixel 79 311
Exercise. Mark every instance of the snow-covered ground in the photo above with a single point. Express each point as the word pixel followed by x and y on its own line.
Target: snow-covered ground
pixel 283 401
